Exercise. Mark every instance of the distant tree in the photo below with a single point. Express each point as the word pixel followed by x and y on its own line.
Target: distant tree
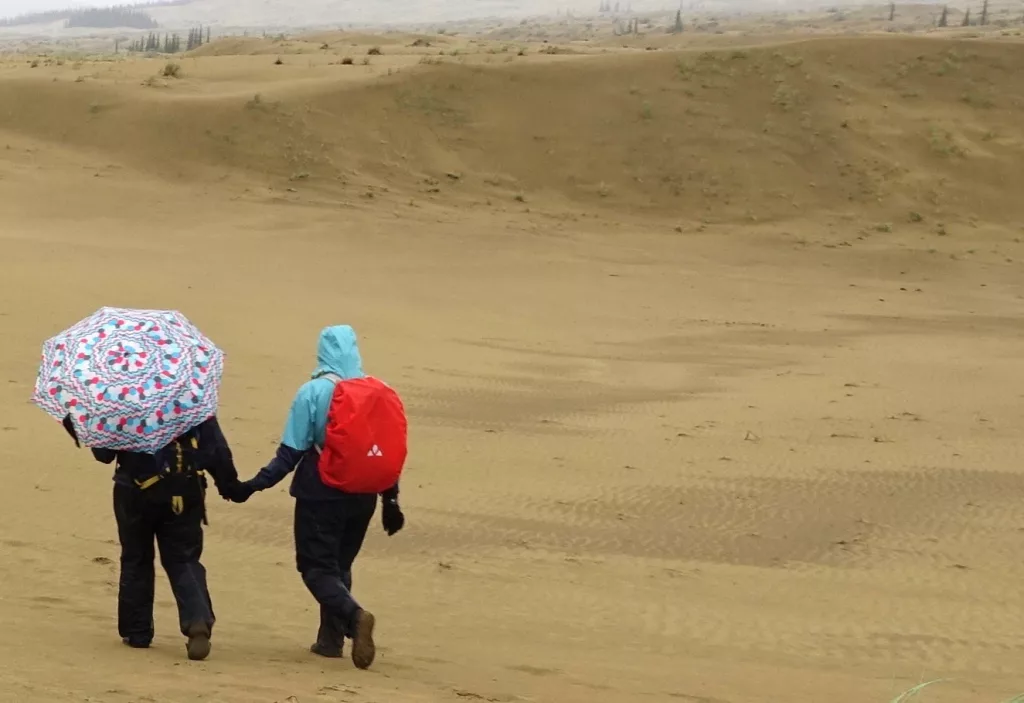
pixel 892 11
pixel 967 18
pixel 207 35
pixel 106 17
pixel 677 28
pixel 33 18
pixel 984 13
pixel 195 39
pixel 944 17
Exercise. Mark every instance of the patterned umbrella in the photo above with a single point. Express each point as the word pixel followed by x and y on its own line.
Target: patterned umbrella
pixel 131 380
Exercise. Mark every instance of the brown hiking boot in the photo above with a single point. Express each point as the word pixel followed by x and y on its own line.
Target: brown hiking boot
pixel 198 646
pixel 363 648
pixel 326 650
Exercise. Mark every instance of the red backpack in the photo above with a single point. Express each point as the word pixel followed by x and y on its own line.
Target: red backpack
pixel 367 437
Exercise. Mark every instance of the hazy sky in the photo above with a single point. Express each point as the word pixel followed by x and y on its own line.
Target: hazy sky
pixel 20 7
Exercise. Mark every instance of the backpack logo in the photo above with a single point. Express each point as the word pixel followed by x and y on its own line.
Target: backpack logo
pixel 375 451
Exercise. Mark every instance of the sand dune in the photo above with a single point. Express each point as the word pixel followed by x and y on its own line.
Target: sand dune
pixel 711 356
pixel 843 126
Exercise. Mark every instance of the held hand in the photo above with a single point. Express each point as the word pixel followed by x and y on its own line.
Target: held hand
pixel 240 492
pixel 392 517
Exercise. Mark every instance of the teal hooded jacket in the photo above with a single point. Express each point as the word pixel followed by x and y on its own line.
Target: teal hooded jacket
pixel 337 353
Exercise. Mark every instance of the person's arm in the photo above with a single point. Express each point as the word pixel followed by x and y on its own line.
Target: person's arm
pixel 297 440
pixel 104 456
pixel 217 457
pixel 69 427
pixel 283 463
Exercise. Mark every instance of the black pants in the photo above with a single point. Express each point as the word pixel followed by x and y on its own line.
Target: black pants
pixel 328 537
pixel 145 515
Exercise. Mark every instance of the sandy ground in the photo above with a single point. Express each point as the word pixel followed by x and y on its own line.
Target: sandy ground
pixel 712 360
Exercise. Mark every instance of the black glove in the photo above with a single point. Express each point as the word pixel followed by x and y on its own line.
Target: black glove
pixel 392 516
pixel 240 492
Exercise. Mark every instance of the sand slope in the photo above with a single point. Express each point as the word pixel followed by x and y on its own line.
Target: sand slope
pixel 854 126
pixel 712 361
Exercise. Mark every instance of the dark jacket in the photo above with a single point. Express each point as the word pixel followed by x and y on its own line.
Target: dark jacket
pixel 212 454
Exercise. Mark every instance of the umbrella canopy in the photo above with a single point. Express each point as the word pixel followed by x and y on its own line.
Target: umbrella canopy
pixel 132 380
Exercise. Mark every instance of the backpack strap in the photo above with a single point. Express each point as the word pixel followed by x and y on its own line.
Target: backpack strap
pixel 335 379
pixel 177 462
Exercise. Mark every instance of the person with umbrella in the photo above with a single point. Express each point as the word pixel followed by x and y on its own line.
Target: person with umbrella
pixel 345 439
pixel 140 389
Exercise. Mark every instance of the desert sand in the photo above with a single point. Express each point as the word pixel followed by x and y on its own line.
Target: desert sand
pixel 712 359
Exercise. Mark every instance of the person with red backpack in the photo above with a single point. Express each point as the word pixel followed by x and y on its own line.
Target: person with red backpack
pixel 346 441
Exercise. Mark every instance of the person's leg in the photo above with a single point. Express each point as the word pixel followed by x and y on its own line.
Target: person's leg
pixel 136 583
pixel 359 513
pixel 330 638
pixel 319 527
pixel 180 537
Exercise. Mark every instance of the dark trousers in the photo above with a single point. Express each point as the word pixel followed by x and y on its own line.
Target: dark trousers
pixel 328 537
pixel 145 515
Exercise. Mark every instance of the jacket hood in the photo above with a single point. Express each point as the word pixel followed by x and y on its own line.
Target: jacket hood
pixel 338 353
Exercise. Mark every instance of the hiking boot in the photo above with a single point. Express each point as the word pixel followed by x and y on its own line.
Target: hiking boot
pixel 363 649
pixel 198 645
pixel 136 642
pixel 323 649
